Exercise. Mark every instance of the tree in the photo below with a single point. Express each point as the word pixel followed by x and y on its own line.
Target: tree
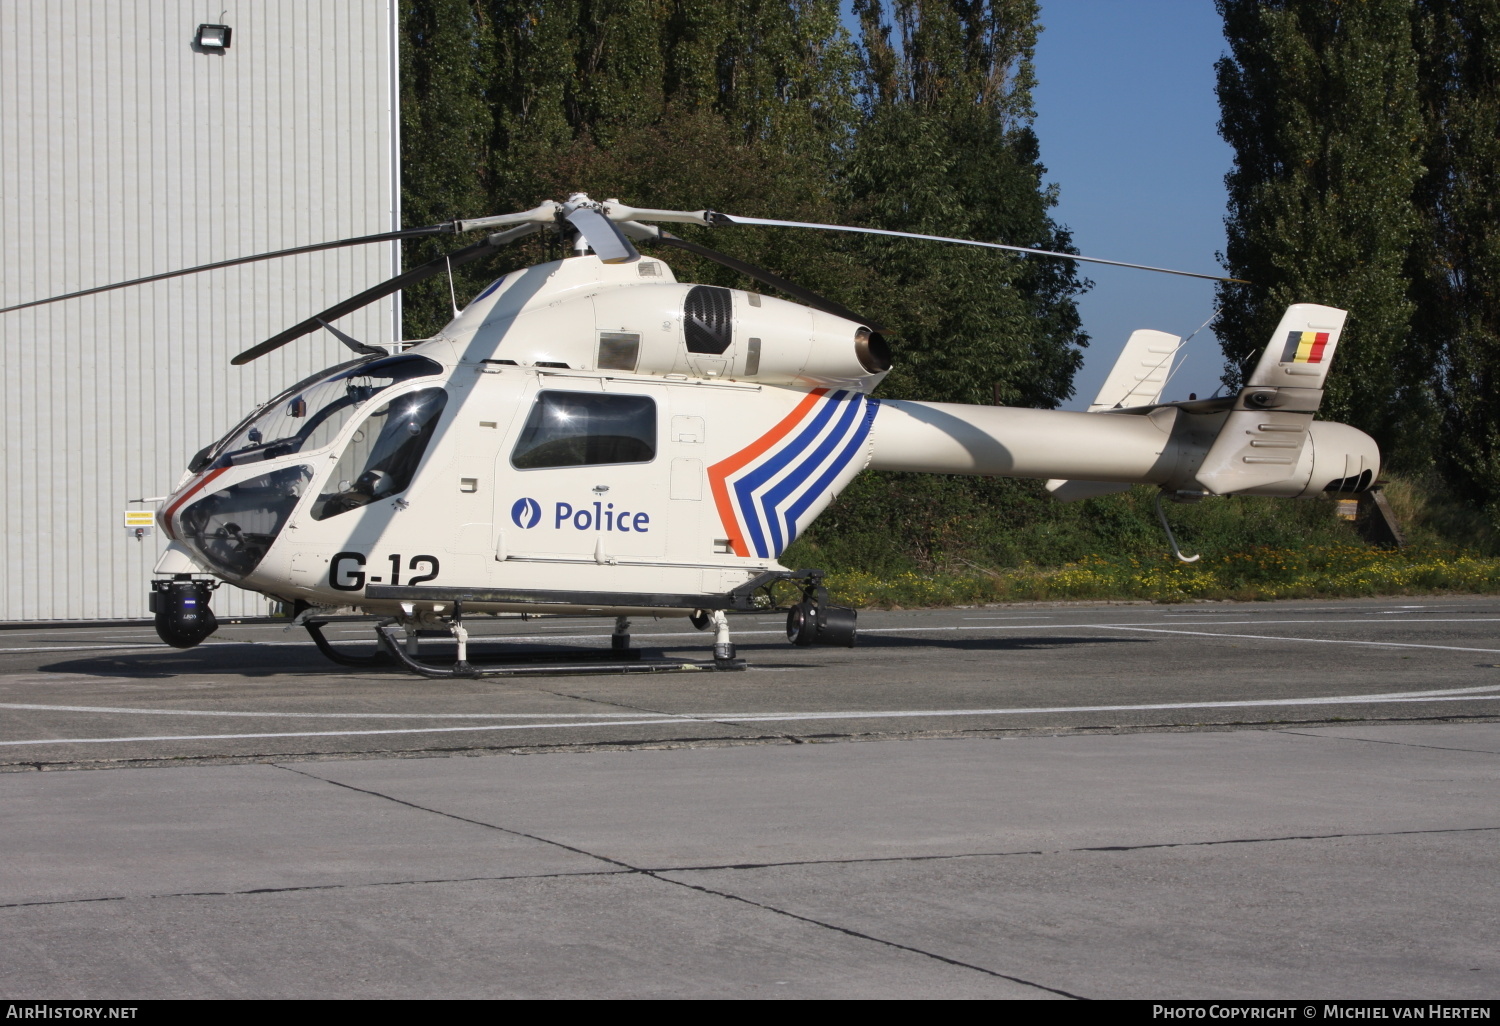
pixel 1456 269
pixel 947 148
pixel 764 107
pixel 740 105
pixel 755 106
pixel 446 129
pixel 1319 101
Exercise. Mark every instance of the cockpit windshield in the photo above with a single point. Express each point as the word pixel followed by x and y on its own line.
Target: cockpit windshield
pixel 310 414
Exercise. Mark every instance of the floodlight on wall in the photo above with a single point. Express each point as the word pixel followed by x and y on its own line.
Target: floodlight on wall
pixel 213 37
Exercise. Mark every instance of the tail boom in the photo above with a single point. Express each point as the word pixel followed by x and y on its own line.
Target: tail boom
pixel 1166 446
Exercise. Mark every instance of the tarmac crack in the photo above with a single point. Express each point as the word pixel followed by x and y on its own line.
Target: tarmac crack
pixel 1379 741
pixel 1058 851
pixel 847 931
pixel 68 901
pixel 1288 837
pixel 628 869
pixel 462 819
pixel 292 888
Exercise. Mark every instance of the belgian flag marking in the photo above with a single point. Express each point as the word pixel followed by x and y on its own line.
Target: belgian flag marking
pixel 1305 347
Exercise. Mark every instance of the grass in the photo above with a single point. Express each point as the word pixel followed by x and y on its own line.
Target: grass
pixel 890 542
pixel 1320 572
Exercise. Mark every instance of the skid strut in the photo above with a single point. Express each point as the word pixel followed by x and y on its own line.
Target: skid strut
pixel 315 630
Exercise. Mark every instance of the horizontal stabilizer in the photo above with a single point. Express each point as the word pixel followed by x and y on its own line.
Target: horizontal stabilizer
pixel 1139 373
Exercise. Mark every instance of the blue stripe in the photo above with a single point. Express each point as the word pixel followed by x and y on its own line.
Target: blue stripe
pixel 772 500
pixel 810 496
pixel 744 488
pixel 491 287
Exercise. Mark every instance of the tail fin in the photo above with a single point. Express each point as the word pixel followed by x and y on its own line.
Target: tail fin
pixel 1137 378
pixel 1264 434
pixel 1139 372
pixel 1302 349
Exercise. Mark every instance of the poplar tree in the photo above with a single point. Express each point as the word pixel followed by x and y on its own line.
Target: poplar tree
pixel 1456 269
pixel 1319 100
pixel 755 106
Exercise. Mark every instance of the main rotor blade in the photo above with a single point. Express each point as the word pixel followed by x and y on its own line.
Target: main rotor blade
pixel 419 273
pixel 405 233
pixel 716 218
pixel 607 242
pixel 759 274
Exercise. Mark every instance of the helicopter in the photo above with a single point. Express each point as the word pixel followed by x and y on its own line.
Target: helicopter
pixel 590 436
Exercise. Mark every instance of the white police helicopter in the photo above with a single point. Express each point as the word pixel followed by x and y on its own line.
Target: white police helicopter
pixel 589 436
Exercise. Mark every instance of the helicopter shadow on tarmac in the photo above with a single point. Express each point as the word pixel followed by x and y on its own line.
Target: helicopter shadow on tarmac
pixel 235 660
pixel 1006 644
pixel 266 661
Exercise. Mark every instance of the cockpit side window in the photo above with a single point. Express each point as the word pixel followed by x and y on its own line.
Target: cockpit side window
pixel 310 415
pixel 383 453
pixel 585 429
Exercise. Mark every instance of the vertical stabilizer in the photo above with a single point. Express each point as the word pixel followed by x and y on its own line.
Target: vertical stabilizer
pixel 1139 373
pixel 1263 437
pixel 1302 349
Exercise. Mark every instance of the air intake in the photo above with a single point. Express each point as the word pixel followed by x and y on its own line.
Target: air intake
pixel 1353 483
pixel 707 324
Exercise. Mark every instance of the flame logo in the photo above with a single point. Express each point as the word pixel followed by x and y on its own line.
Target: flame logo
pixel 526 513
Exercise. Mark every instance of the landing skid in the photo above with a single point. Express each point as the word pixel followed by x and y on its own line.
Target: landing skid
pixel 813 621
pixel 392 652
pixel 381 659
pixel 546 665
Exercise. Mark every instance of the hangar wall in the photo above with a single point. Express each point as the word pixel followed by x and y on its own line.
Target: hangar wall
pixel 126 151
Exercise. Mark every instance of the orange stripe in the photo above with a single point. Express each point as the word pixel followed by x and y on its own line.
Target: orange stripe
pixel 719 472
pixel 164 518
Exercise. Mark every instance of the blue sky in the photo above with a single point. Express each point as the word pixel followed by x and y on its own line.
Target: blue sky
pixel 1127 117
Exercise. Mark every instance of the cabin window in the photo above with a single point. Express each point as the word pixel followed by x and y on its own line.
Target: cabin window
pixel 383 453
pixel 310 415
pixel 586 429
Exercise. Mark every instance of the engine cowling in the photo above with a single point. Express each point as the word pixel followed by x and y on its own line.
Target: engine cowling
pixel 582 314
pixel 711 332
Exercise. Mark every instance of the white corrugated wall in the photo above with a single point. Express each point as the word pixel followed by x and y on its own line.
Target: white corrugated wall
pixel 123 152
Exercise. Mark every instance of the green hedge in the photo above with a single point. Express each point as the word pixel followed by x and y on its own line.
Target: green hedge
pixel 913 540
